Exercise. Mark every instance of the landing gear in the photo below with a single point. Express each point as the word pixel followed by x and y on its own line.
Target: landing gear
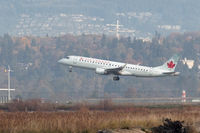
pixel 70 68
pixel 116 78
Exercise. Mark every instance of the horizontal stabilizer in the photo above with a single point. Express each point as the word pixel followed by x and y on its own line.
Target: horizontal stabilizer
pixel 172 73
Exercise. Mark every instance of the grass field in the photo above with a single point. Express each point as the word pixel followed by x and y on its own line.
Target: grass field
pixel 85 120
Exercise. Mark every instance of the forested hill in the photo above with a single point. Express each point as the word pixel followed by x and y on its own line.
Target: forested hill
pixel 37 74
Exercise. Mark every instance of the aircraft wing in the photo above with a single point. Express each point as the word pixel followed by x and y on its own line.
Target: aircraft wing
pixel 115 70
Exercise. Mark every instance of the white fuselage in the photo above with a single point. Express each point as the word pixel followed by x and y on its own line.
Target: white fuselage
pixel 128 70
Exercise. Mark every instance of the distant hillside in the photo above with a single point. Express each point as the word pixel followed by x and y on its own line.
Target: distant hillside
pixel 164 16
pixel 37 74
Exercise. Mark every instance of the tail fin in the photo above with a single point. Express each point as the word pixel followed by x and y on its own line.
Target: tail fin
pixel 171 64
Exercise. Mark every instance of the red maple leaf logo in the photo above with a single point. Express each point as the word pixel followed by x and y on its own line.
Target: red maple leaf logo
pixel 171 64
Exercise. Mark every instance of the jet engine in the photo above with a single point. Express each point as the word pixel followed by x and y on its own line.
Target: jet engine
pixel 101 71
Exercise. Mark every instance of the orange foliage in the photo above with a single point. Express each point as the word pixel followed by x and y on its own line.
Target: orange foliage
pixel 26 42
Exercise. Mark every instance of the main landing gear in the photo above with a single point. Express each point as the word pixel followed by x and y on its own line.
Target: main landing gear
pixel 70 68
pixel 116 78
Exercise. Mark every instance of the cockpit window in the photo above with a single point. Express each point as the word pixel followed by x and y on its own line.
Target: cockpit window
pixel 67 57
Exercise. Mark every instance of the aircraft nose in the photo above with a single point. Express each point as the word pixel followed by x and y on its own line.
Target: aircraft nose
pixel 61 61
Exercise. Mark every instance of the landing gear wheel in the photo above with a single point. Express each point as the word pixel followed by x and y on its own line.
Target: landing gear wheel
pixel 116 78
pixel 70 68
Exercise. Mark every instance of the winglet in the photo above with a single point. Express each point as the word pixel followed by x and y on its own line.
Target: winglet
pixel 124 66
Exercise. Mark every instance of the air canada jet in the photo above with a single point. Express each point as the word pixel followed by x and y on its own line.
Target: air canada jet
pixel 106 67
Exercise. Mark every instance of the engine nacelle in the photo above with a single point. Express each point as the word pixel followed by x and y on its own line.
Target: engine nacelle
pixel 101 71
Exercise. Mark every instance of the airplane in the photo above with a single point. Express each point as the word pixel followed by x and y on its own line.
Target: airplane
pixel 107 67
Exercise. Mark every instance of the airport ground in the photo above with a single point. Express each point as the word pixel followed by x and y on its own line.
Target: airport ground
pixel 87 118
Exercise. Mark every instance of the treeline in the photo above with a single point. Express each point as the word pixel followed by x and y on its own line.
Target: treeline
pixel 37 74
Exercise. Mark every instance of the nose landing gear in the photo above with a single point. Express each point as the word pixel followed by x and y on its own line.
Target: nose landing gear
pixel 70 68
pixel 116 78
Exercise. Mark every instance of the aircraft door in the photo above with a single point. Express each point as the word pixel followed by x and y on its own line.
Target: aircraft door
pixel 75 59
